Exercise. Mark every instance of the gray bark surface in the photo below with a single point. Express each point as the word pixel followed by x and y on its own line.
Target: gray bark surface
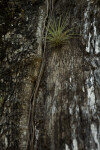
pixel 49 97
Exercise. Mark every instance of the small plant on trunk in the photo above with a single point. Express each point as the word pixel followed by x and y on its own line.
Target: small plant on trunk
pixel 58 35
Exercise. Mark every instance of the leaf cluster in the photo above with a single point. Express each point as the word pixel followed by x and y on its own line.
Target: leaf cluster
pixel 58 34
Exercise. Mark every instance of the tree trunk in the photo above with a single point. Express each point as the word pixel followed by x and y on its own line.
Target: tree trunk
pixel 49 97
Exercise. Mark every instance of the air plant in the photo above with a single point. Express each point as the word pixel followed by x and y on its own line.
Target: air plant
pixel 58 35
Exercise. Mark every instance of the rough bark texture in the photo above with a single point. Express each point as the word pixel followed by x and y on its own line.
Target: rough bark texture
pixel 64 113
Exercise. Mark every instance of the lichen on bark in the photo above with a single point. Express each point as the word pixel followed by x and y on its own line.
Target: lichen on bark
pixel 66 111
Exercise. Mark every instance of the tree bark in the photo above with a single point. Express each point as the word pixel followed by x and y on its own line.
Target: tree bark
pixel 49 97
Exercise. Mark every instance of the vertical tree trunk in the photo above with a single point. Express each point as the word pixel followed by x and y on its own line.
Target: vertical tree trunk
pixel 63 113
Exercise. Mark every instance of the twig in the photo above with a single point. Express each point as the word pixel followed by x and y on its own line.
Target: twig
pixel 31 136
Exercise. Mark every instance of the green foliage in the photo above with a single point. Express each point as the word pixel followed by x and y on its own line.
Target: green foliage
pixel 58 34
